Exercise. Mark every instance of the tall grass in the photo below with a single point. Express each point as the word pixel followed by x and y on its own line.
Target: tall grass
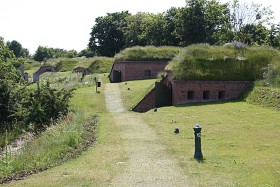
pixel 204 62
pixel 68 80
pixel 164 53
pixel 60 142
pixel 94 64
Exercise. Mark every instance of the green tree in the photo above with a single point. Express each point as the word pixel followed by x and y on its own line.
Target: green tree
pixel 153 29
pixel 245 14
pixel 17 49
pixel 43 53
pixel 5 53
pixel 254 34
pixel 203 21
pixel 274 35
pixel 106 37
pixel 169 30
pixel 133 31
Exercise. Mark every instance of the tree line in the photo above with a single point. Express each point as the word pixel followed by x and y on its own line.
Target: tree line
pixel 200 21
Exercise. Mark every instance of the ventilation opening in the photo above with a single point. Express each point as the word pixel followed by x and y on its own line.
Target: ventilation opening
pixel 190 95
pixel 206 95
pixel 147 73
pixel 221 95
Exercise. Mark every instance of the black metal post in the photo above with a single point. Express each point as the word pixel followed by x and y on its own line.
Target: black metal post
pixel 197 134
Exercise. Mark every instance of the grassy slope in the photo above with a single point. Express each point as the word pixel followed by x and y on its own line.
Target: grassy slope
pixel 240 142
pixel 95 167
pixel 134 91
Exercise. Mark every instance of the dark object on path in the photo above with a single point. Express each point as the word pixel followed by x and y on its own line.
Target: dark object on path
pixel 176 130
pixel 155 110
pixel 197 134
pixel 128 88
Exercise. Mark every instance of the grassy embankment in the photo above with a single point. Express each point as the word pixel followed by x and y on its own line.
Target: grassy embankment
pixel 239 141
pixel 95 167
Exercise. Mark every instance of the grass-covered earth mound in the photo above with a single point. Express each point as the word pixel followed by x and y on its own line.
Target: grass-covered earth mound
pixel 227 63
pixel 164 53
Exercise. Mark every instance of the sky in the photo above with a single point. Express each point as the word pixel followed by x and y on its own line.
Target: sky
pixel 67 24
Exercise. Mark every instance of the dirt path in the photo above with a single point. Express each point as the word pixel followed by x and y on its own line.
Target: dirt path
pixel 148 163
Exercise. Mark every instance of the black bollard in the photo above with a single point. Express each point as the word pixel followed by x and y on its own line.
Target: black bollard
pixel 197 134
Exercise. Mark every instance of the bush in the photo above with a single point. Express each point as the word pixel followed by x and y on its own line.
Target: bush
pixel 44 105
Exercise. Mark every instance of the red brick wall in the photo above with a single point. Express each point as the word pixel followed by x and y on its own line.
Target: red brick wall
pixel 230 89
pixel 119 66
pixel 147 103
pixel 134 70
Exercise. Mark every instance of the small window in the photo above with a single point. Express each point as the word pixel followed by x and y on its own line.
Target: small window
pixel 147 73
pixel 190 95
pixel 206 95
pixel 221 94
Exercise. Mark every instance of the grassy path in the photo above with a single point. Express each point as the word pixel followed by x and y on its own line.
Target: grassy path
pixel 148 163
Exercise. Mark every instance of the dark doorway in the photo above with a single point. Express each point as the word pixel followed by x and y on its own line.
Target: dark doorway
pixel 206 95
pixel 147 73
pixel 221 95
pixel 190 95
pixel 163 95
pixel 117 76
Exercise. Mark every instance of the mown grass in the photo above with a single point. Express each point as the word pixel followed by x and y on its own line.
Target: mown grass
pixel 98 165
pixel 240 141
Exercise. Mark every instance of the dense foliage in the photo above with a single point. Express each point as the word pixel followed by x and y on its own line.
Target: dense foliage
pixel 200 21
pixel 17 49
pixel 45 53
pixel 164 53
pixel 22 108
pixel 204 62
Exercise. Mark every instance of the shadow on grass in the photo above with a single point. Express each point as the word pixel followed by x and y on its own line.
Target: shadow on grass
pixel 209 103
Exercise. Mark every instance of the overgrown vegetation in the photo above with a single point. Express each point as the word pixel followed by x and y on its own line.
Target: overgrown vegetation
pixel 64 140
pixel 164 53
pixel 266 97
pixel 96 64
pixel 229 62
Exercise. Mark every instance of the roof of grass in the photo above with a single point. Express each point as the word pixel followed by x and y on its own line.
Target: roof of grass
pixel 228 63
pixel 96 64
pixel 148 53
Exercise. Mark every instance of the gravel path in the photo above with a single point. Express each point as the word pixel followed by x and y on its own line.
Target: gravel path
pixel 148 162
